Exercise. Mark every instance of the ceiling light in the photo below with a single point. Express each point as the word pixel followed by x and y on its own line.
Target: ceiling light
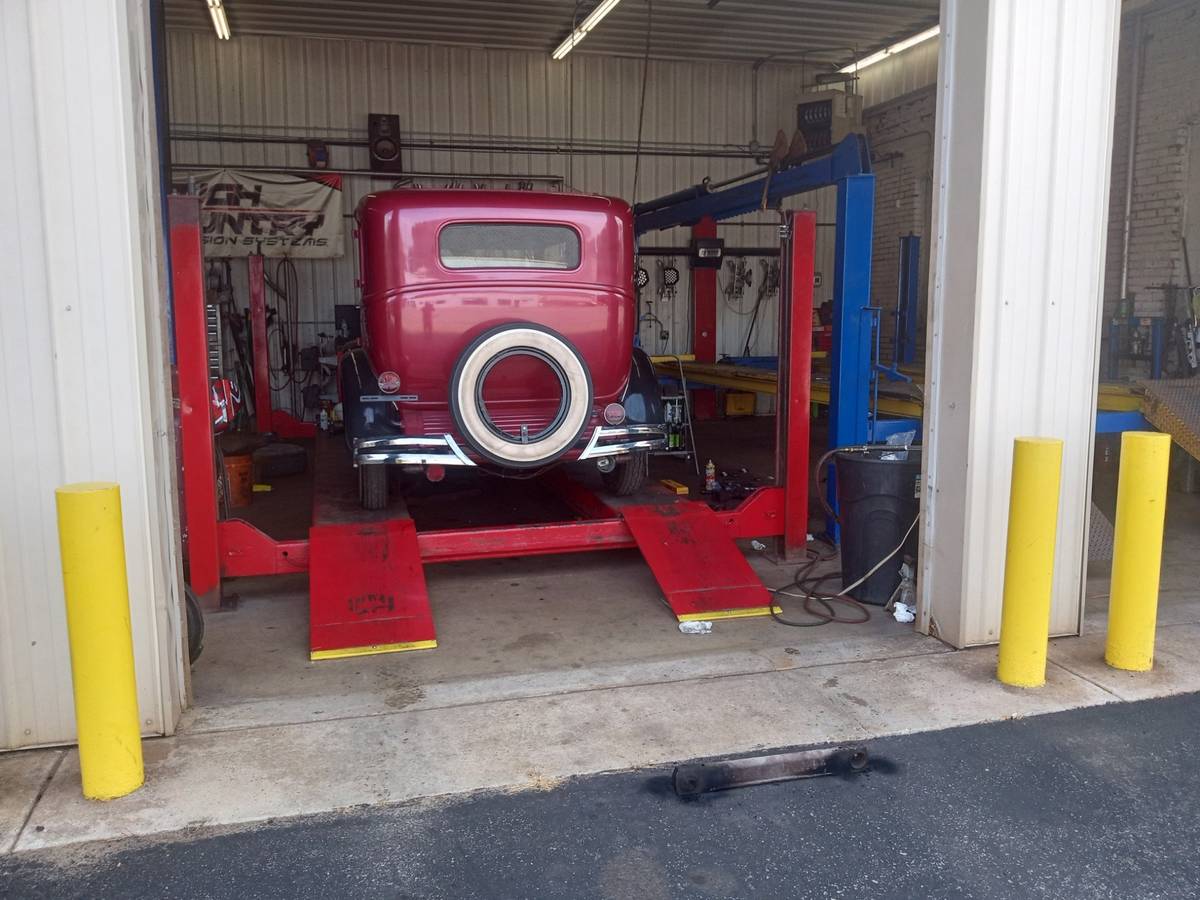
pixel 220 24
pixel 898 47
pixel 834 77
pixel 593 19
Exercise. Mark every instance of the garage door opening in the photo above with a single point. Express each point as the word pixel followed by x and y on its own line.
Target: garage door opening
pixel 691 408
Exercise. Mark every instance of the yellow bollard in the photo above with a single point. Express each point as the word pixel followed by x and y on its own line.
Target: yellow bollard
pixel 1137 550
pixel 1029 561
pixel 106 712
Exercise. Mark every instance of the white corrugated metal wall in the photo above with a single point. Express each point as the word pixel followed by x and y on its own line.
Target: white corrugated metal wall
pixel 1016 291
pixel 312 88
pixel 82 336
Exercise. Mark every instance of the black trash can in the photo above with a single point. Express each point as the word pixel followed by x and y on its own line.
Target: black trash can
pixel 878 499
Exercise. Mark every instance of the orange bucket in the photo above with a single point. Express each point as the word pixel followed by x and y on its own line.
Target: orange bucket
pixel 240 475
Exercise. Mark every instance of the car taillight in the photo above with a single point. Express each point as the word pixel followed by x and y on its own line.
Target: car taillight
pixel 614 414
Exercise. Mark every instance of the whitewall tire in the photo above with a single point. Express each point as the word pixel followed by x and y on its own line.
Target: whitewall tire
pixel 471 415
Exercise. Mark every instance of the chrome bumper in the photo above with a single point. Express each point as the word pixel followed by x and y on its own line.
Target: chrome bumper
pixel 612 441
pixel 443 449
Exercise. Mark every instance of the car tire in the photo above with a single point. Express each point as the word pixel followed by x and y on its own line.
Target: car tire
pixel 628 475
pixel 471 417
pixel 373 486
pixel 195 625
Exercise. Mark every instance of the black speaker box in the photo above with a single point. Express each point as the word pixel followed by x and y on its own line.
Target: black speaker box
pixel 383 142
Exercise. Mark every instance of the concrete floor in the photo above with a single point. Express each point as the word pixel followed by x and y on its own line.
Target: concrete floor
pixel 548 668
pixel 1090 803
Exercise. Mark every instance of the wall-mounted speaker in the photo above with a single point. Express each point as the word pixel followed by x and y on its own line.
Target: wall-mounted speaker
pixel 383 142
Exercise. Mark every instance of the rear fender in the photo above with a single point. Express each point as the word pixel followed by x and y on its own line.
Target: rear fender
pixel 364 418
pixel 643 395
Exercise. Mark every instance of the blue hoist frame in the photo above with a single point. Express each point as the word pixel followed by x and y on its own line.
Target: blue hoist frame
pixel 848 168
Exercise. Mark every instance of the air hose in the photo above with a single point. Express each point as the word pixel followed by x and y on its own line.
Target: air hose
pixel 806 585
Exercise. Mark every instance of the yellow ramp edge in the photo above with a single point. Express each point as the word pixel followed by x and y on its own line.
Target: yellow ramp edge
pixel 371 650
pixel 746 613
pixel 1173 407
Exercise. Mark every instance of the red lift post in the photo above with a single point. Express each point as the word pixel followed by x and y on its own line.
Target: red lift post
pixel 792 439
pixel 704 318
pixel 195 417
pixel 366 580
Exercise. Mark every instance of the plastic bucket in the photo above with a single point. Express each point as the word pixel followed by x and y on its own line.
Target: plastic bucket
pixel 240 475
pixel 878 499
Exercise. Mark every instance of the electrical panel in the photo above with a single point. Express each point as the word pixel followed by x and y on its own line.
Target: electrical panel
pixel 825 117
pixel 707 253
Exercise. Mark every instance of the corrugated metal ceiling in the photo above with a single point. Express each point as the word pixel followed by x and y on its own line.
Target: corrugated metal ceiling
pixel 819 31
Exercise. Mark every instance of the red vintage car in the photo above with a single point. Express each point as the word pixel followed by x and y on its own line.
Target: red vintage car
pixel 498 331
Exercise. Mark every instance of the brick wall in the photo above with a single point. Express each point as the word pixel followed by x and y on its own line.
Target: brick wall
pixel 901 135
pixel 901 130
pixel 1168 125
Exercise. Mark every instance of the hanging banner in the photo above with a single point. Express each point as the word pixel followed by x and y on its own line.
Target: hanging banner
pixel 272 213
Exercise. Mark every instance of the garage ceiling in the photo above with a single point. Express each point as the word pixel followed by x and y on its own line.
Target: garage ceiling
pixel 819 31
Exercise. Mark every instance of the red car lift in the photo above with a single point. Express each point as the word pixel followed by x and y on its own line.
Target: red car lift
pixel 367 590
pixel 196 450
pixel 267 419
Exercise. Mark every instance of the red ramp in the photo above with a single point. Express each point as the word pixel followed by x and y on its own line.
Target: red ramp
pixel 697 564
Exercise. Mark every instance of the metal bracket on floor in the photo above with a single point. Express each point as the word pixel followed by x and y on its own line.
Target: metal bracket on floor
pixel 693 779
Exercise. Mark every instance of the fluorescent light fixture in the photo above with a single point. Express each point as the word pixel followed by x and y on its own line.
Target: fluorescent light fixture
pixel 593 19
pixel 221 24
pixel 898 47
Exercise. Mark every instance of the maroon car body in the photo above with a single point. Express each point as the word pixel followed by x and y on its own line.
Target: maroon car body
pixel 489 319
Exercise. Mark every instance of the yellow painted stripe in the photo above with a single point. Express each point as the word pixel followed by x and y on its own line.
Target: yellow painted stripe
pixel 371 649
pixel 745 613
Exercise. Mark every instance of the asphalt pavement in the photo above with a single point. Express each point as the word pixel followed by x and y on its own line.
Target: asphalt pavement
pixel 1091 803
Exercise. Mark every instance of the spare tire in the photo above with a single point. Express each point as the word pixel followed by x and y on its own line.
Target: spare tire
pixel 470 412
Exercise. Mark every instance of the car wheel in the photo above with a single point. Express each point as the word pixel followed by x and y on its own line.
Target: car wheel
pixel 628 475
pixel 373 486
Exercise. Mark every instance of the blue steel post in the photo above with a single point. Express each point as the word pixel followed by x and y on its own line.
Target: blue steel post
pixel 850 374
pixel 906 307
pixel 850 361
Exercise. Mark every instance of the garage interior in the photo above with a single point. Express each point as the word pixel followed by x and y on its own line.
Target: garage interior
pixel 846 222
pixel 654 99
pixel 556 623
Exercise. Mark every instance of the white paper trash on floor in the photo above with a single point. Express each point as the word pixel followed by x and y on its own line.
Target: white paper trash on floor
pixel 696 627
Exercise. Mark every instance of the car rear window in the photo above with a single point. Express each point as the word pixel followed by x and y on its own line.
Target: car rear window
pixel 508 245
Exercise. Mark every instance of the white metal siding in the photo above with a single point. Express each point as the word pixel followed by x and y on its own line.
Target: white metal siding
pixel 81 327
pixel 1015 296
pixel 257 85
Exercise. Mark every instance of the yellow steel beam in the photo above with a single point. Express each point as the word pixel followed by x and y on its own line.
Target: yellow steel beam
pixel 1118 398
pixel 1109 397
pixel 763 381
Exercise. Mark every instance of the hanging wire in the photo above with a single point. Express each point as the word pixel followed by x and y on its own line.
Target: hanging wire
pixel 806 586
pixel 571 102
pixel 286 332
pixel 637 155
